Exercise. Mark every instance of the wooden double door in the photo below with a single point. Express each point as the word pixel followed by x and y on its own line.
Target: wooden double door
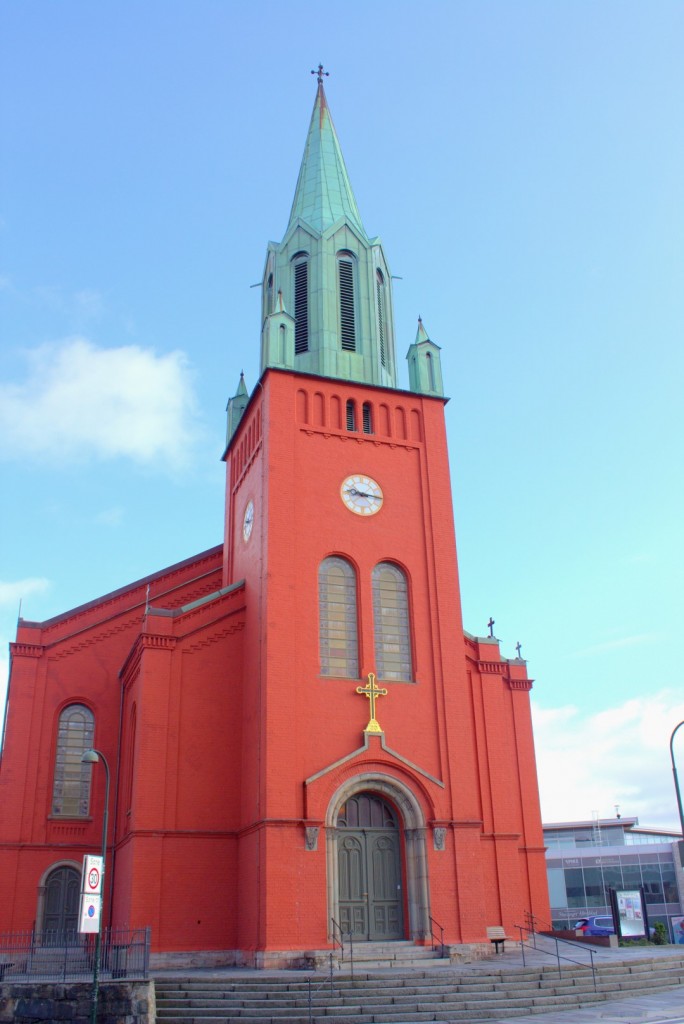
pixel 60 913
pixel 369 869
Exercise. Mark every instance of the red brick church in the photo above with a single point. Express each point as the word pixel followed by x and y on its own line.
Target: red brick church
pixel 299 730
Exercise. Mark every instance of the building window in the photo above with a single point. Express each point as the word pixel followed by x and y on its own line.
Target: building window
pixel 301 302
pixel 367 418
pixel 345 274
pixel 380 290
pixel 71 790
pixel 351 414
pixel 391 622
pixel 338 635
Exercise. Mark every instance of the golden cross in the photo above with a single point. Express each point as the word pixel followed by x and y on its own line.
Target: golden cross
pixel 372 692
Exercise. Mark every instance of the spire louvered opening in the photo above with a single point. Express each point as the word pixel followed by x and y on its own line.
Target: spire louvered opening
pixel 301 302
pixel 345 266
pixel 380 285
pixel 367 418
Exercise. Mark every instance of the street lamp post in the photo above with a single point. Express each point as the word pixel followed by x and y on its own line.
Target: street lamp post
pixel 677 790
pixel 92 757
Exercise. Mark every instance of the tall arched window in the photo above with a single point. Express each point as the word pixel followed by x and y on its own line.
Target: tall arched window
pixel 345 275
pixel 380 289
pixel 351 414
pixel 338 635
pixel 391 622
pixel 71 789
pixel 300 264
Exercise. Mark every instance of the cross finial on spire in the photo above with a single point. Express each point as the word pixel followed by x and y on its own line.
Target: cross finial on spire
pixel 518 648
pixel 320 73
pixel 491 626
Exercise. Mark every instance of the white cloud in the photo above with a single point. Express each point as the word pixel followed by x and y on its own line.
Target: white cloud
pixel 81 401
pixel 12 593
pixel 589 762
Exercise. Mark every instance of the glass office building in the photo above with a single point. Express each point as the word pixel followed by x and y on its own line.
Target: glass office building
pixel 585 859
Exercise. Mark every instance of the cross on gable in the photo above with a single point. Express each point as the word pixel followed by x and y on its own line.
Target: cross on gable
pixel 372 691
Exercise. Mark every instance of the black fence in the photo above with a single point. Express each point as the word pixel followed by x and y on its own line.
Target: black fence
pixel 70 956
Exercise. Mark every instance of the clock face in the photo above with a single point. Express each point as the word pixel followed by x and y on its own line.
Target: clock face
pixel 361 494
pixel 248 521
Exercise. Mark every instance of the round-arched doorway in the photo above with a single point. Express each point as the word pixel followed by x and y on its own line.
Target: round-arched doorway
pixel 369 868
pixel 60 903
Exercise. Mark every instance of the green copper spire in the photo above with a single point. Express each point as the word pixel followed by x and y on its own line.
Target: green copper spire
pixel 324 193
pixel 327 289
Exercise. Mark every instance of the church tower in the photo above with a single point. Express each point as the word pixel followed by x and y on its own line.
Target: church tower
pixel 339 520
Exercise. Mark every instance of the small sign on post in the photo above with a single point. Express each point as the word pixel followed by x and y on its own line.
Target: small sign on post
pixel 90 906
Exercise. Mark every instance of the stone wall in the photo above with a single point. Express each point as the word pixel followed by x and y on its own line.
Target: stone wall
pixel 119 1003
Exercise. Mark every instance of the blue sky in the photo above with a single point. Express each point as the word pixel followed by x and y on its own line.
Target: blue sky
pixel 523 163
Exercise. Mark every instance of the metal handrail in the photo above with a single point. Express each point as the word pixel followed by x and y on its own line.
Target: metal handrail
pixel 340 942
pixel 435 924
pixel 318 988
pixel 547 952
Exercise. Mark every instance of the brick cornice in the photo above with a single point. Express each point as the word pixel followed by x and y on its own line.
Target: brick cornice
pixel 520 684
pixel 21 650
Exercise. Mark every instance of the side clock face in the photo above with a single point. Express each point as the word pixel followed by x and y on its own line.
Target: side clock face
pixel 361 494
pixel 248 521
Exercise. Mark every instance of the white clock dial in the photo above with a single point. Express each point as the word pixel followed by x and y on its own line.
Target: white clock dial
pixel 362 494
pixel 248 521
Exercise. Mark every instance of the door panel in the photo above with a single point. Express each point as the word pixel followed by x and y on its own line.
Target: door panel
pixel 370 896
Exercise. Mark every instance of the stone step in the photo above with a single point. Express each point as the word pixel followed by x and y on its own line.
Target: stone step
pixel 394 995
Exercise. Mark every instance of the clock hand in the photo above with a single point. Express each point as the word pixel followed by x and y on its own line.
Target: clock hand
pixel 362 494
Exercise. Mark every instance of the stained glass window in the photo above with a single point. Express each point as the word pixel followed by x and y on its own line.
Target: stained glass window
pixel 391 621
pixel 338 636
pixel 71 790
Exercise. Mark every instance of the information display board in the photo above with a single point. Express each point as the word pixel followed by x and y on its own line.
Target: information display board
pixel 629 913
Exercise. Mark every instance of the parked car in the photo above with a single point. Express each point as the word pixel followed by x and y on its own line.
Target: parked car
pixel 602 925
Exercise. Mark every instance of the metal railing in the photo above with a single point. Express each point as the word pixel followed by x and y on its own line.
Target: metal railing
pixel 322 983
pixel 338 939
pixel 531 928
pixel 53 956
pixel 433 935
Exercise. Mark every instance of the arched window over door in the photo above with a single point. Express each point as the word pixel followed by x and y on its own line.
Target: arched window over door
pixel 71 787
pixel 338 631
pixel 391 622
pixel 60 904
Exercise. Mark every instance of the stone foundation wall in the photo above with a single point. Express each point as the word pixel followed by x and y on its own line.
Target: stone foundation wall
pixel 120 1003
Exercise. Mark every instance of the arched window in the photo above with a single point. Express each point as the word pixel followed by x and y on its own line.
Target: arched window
pixel 338 636
pixel 367 418
pixel 300 263
pixel 391 622
pixel 351 414
pixel 71 789
pixel 380 289
pixel 345 276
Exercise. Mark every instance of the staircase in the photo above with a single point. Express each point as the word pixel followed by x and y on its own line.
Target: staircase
pixel 398 993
